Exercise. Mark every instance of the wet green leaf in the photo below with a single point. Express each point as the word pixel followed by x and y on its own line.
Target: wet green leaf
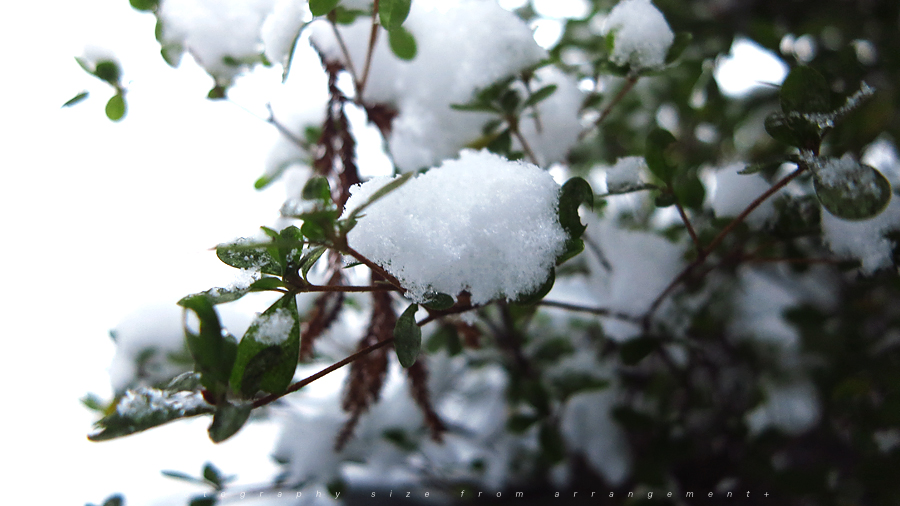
pixel 243 254
pixel 227 420
pixel 859 195
pixel 438 301
pixel 574 192
pixel 681 42
pixel 145 408
pixel 212 349
pixel 267 354
pixel 407 336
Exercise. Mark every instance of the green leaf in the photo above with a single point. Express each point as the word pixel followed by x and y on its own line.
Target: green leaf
pixel 574 192
pixel 519 423
pixel 228 419
pixel 178 475
pixel 402 43
pixel 290 246
pixel 475 107
pixel 793 131
pixel 501 143
pixel 681 42
pixel 539 96
pixel 266 283
pixel 85 66
pixel 213 475
pixel 573 248
pixel 213 350
pixel 317 188
pixel 144 5
pixel 438 301
pixel 108 70
pixel 243 254
pixel 392 13
pixel 552 444
pixel 407 336
pixel 635 350
pixel 689 190
pixel 115 107
pixel 76 99
pixel 657 143
pixel 267 354
pixel 145 408
pixel 202 501
pixel 804 90
pixel 114 500
pixel 860 194
pixel 224 295
pixel 309 260
pixel 93 402
pixel 217 92
pixel 322 7
pixel 444 337
pixel 664 199
pixel 395 183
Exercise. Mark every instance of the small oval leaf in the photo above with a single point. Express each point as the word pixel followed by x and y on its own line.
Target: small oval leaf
pixel 115 108
pixel 402 43
pixel 322 7
pixel 859 193
pixel 407 337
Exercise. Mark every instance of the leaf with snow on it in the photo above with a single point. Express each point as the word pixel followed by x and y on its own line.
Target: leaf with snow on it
pixel 145 408
pixel 850 190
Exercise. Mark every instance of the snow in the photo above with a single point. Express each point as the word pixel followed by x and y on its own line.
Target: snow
pixel 733 192
pixel 480 223
pixel 792 408
pixel 143 402
pixel 625 175
pixel 463 46
pixel 588 428
pixel 552 127
pixel 642 36
pixel 275 328
pixel 641 264
pixel 152 333
pixel 211 30
pixel 864 240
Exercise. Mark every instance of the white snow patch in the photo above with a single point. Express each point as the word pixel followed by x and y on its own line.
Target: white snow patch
pixel 462 45
pixel 588 428
pixel 275 328
pixel 641 34
pixel 480 223
pixel 626 174
pixel 792 409
pixel 734 192
pixel 211 30
pixel 864 240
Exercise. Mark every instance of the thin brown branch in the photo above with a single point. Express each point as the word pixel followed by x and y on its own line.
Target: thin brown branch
pixel 514 129
pixel 345 51
pixel 690 228
pixel 436 315
pixel 749 209
pixel 599 311
pixel 630 81
pixel 328 370
pixel 375 267
pixel 687 271
pixel 373 38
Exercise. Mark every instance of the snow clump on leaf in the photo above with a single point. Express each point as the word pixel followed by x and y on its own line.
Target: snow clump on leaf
pixel 480 223
pixel 641 36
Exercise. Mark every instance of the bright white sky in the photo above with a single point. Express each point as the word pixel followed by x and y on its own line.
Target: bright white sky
pixel 100 218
